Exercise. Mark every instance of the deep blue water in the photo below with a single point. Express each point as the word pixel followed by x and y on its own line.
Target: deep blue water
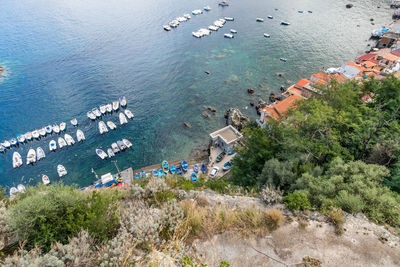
pixel 65 57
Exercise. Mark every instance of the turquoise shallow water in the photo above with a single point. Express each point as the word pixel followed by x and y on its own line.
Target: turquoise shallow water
pixel 65 57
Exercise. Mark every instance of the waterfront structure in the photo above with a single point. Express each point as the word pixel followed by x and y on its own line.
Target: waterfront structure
pixel 277 110
pixel 225 138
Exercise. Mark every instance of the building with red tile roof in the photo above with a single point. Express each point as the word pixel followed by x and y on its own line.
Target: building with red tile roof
pixel 277 110
pixel 366 57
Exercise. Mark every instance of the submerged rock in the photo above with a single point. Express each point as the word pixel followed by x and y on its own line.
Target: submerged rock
pixel 252 103
pixel 205 115
pixel 251 91
pixel 349 5
pixel 272 97
pixel 235 118
pixel 279 74
pixel 187 125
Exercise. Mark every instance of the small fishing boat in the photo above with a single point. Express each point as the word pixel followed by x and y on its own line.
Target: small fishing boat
pixel 227 166
pixel 21 138
pixel 161 173
pixel 80 135
pixel 167 28
pixel 111 125
pixel 61 142
pixel 110 153
pixel 115 147
pixel 129 114
pixel 56 129
pixel 203 168
pixel 61 170
pixel 229 35
pixel 184 166
pixel 122 101
pixel 52 145
pixel 179 169
pixel 115 105
pixel 181 19
pixel 63 125
pixel 74 122
pixel 96 112
pixel 193 177
pixel 91 115
pixel 300 11
pixel 137 176
pixel 109 108
pixel 155 173
pixel 197 12
pixel 309 11
pixel 21 188
pixel 165 166
pixel 285 23
pixel 172 169
pixel 229 19
pixel 103 109
pixel 283 59
pixel 17 160
pixel 266 35
pixel 101 153
pixel 48 129
pixel 103 127
pixel 40 153
pixel 259 19
pixel 213 28
pixel 121 145
pixel 270 17
pixel 122 118
pixel 13 191
pixel 13 141
pixel 45 179
pixel 223 3
pixel 207 8
pixel 174 23
pixel 196 168
pixel 233 31
pixel 143 174
pixel 31 157
pixel 196 34
pixel 6 144
pixel 42 132
pixel 187 16
pixel 2 149
pixel 70 141
pixel 127 143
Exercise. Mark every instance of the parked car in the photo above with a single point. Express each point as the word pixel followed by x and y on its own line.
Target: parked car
pixel 227 166
pixel 214 172
pixel 220 157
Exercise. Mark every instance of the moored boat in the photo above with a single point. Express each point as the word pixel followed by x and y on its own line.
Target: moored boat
pixel 111 125
pixel 61 170
pixel 229 35
pixel 21 138
pixel 223 3
pixel 285 23
pixel 193 177
pixel 17 160
pixel 167 28
pixel 233 31
pixel 13 141
pixel 122 118
pixel 266 35
pixel 179 169
pixel 196 168
pixel 56 129
pixel 155 173
pixel 122 101
pixel 61 142
pixel 80 136
pixel 6 144
pixel 103 109
pixel 2 149
pixel 96 112
pixel 165 166
pixel 161 173
pixel 127 143
pixel 63 126
pixel 48 129
pixel 21 188
pixel 121 145
pixel 91 115
pixel 45 179
pixel 74 122
pixel 31 157
pixel 42 132
pixel 207 8
pixel 187 16
pixel 270 17
pixel 203 168
pixel 101 153
pixel 52 145
pixel 115 105
pixel 110 152
pixel 283 59
pixel 184 165
pixel 70 141
pixel 172 169
pixel 40 153
pixel 115 147
pixel 213 28
pixel 13 191
pixel 102 127
pixel 129 114
pixel 109 108
pixel 229 19
pixel 259 19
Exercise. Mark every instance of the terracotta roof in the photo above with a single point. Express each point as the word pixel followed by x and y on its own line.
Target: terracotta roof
pixel 321 83
pixel 369 64
pixel 295 91
pixel 321 75
pixel 303 82
pixel 339 77
pixel 279 109
pixel 383 52
pixel 391 57
pixel 366 57
pixel 396 52
pixel 353 64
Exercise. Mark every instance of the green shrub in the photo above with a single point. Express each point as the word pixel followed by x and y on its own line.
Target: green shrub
pixel 348 202
pixel 297 201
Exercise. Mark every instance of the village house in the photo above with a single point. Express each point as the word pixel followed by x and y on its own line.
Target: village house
pixel 226 138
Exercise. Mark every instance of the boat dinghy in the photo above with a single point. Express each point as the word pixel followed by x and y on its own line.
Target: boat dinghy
pixel 283 59
pixel 52 145
pixel 74 122
pixel 70 141
pixel 129 114
pixel 127 143
pixel 101 153
pixel 61 170
pixel 233 31
pixel 13 141
pixel 229 35
pixel 121 145
pixel 109 108
pixel 110 153
pixel 122 101
pixel 207 8
pixel 35 134
pixel 96 112
pixel 266 35
pixel 115 147
pixel 285 23
pixel 49 129
pixel 115 105
pixel 21 188
pixel 21 138
pixel 91 115
pixel 6 144
pixel 270 17
pixel 229 19
pixel 122 118
pixel 61 142
pixel 103 109
pixel 40 153
pixel 56 129
pixel 13 191
pixel 2 149
pixel 17 160
pixel 80 136
pixel 111 125
pixel 42 132
pixel 63 125
pixel 102 127
pixel 187 16
pixel 259 19
pixel 45 179
pixel 213 28
pixel 31 157
pixel 167 28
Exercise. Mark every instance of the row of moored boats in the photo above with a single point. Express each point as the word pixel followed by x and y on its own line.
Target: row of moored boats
pixel 175 22
pixel 96 113
pixel 116 147
pixel 218 24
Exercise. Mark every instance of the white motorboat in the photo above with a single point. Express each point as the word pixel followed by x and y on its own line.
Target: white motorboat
pixel 218 24
pixel 13 191
pixel 103 127
pixel 61 142
pixel 129 114
pixel 111 125
pixel 229 35
pixel 42 132
pixel 21 188
pixel 17 160
pixel 21 138
pixel 61 170
pixel 45 179
pixel 196 34
pixel 56 129
pixel 229 19
pixel 122 118
pixel 110 153
pixel 187 16
pixel 63 125
pixel 115 147
pixel 181 19
pixel 74 122
pixel 6 144
pixel 266 35
pixel 233 31
pixel 167 28
pixel 270 17
pixel 122 101
pixel 70 141
pixel 259 19
pixel 35 134
pixel 207 8
pixel 2 149
pixel 52 145
pixel 101 153
pixel 109 108
pixel 283 59
pixel 13 141
pixel 115 105
pixel 127 143
pixel 121 145
pixel 91 115
pixel 103 109
pixel 40 153
pixel 285 23
pixel 80 136
pixel 49 129
pixel 31 157
pixel 174 23
pixel 197 12
pixel 213 28
pixel 96 112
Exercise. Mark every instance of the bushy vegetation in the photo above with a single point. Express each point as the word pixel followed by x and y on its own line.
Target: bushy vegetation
pixel 297 201
pixel 339 151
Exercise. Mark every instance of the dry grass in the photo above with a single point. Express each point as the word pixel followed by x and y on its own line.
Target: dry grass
pixel 202 201
pixel 275 217
pixel 336 216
